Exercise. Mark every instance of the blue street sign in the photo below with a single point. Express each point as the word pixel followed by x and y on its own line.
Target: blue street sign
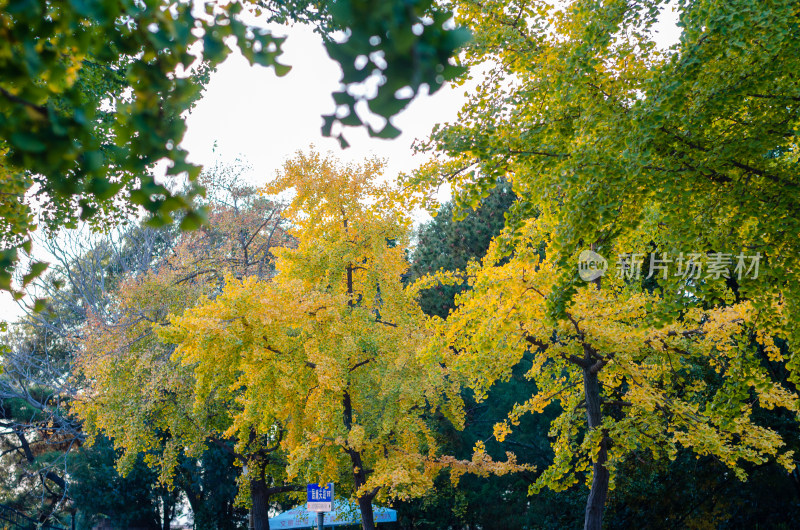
pixel 320 499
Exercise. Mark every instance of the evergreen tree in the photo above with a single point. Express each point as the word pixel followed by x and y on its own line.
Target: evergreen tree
pixel 449 243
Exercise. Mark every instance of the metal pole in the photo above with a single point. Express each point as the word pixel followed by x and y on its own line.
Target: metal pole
pixel 320 520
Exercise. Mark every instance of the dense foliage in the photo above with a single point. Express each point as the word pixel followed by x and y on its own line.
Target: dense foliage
pixel 326 351
pixel 94 94
pixel 676 164
pixel 613 312
pixel 44 444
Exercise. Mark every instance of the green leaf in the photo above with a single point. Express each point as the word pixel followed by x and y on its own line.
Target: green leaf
pixel 36 269
pixel 281 69
pixel 27 142
pixel 192 221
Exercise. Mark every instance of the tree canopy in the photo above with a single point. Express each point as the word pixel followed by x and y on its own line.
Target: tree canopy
pixel 635 310
pixel 621 142
pixel 675 165
pixel 328 349
pixel 103 291
pixel 93 94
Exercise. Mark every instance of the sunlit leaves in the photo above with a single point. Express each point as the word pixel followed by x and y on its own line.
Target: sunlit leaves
pixel 616 140
pixel 137 392
pixel 694 383
pixel 328 348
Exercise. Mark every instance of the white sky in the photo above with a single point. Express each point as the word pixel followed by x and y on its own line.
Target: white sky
pixel 252 114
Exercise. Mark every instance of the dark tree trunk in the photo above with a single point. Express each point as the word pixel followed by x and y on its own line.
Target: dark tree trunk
pixel 359 473
pixel 259 513
pixel 365 501
pixel 190 485
pixel 597 496
pixel 29 456
pixel 795 476
pixel 367 519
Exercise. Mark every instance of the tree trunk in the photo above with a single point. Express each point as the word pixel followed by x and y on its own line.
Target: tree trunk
pixel 367 518
pixel 795 476
pixel 597 496
pixel 359 473
pixel 168 510
pixel 259 494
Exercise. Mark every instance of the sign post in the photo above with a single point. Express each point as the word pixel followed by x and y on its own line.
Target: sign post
pixel 320 499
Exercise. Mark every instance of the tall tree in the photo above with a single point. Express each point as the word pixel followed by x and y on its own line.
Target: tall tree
pixel 708 494
pixel 643 386
pixel 617 140
pixel 97 274
pixel 329 347
pixel 138 394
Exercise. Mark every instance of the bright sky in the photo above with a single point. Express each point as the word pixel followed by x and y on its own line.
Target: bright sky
pixel 252 114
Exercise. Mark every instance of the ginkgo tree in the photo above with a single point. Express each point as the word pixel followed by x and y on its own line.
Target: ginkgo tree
pixel 132 389
pixel 623 381
pixel 329 348
pixel 617 140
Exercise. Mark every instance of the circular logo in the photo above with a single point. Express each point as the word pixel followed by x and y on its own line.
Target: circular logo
pixel 591 265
